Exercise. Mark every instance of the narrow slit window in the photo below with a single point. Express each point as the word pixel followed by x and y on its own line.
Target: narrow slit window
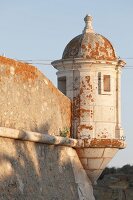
pixel 106 80
pixel 62 84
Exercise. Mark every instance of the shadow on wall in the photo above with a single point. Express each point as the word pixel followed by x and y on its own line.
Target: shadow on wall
pixel 34 171
pixel 44 128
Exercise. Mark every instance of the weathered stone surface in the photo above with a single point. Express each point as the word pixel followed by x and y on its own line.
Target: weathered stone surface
pixel 39 137
pixel 34 171
pixel 89 45
pixel 96 160
pixel 29 101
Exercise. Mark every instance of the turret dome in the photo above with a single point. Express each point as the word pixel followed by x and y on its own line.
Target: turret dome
pixel 90 45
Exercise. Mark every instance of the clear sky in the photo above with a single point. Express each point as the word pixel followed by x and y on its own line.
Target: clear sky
pixel 40 29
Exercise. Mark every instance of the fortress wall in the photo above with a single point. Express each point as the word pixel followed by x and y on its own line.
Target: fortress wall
pixel 38 171
pixel 29 101
pixel 32 170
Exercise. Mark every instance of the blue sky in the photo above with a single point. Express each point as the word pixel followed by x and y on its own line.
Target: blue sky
pixel 40 29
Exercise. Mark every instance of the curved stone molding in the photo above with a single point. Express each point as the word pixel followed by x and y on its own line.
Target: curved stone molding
pixel 58 140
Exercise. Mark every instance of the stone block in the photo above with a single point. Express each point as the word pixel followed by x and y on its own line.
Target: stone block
pixel 85 191
pixel 84 161
pixel 31 170
pixel 104 113
pixel 110 152
pixel 105 163
pixel 94 175
pixel 71 152
pixel 80 176
pixel 76 163
pixel 104 130
pixel 29 101
pixel 79 172
pixel 90 152
pixel 80 152
pixel 94 163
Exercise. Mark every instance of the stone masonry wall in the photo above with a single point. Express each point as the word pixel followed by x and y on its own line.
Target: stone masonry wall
pixel 29 101
pixel 35 171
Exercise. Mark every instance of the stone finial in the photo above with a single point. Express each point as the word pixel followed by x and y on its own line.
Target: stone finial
pixel 88 24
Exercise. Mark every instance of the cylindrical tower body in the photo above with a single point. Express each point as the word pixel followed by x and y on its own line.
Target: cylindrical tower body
pixel 89 74
pixel 94 89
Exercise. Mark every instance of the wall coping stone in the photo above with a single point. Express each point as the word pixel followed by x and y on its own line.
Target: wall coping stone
pixel 61 141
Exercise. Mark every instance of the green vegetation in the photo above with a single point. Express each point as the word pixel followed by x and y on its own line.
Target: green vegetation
pixel 126 169
pixel 65 132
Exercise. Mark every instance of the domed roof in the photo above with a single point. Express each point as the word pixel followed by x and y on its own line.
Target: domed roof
pixel 89 45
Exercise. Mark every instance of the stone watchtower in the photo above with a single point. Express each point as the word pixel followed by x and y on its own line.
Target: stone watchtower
pixel 89 73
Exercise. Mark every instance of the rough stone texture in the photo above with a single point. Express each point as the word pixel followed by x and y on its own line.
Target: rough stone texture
pixel 92 74
pixel 56 140
pixel 96 113
pixel 96 160
pixel 40 138
pixel 34 171
pixel 89 45
pixel 84 184
pixel 92 77
pixel 29 101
